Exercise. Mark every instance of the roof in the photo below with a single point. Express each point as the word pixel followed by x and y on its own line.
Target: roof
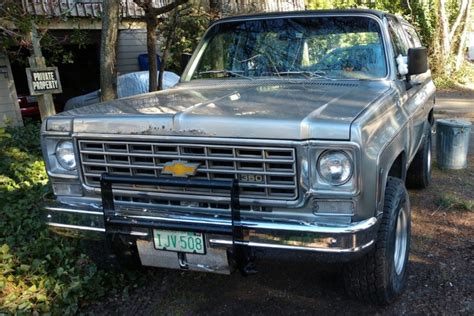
pixel 130 10
pixel 377 13
pixel 83 8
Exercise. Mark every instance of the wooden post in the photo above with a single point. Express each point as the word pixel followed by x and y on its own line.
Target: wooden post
pixel 45 101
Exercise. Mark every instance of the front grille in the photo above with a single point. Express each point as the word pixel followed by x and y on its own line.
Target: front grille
pixel 180 205
pixel 263 172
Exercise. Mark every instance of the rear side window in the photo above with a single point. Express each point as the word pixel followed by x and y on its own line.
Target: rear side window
pixel 412 36
pixel 396 35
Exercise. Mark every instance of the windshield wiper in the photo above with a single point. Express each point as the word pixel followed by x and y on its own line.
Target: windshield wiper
pixel 226 72
pixel 307 74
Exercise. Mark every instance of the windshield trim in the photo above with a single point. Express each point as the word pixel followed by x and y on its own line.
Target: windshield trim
pixel 194 61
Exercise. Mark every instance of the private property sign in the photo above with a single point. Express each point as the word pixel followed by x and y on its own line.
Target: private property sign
pixel 44 80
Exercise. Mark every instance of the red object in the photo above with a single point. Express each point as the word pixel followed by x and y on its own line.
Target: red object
pixel 29 106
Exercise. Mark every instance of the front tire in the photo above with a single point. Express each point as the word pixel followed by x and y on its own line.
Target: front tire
pixel 419 173
pixel 380 276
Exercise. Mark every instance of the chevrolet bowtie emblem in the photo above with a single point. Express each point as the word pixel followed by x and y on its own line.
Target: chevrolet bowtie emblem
pixel 178 168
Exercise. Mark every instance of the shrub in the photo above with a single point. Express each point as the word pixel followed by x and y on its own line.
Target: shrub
pixel 39 271
pixel 463 78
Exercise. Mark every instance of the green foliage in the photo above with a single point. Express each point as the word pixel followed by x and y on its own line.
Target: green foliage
pixel 319 5
pixel 80 38
pixel 465 75
pixel 336 4
pixel 447 201
pixel 11 14
pixel 39 271
pixel 190 26
pixel 53 47
pixel 463 78
pixel 445 82
pixel 15 28
pixel 423 14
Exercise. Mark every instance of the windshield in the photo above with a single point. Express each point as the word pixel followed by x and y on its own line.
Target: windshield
pixel 309 47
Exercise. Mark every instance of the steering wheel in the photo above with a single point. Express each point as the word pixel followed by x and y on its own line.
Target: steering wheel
pixel 258 65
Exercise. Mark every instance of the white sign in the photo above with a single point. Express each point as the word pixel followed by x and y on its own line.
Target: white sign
pixel 44 80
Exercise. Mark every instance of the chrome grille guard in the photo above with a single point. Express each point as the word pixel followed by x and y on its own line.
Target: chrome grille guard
pixel 241 252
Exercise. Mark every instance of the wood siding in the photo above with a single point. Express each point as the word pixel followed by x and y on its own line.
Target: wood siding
pixel 9 107
pixel 131 43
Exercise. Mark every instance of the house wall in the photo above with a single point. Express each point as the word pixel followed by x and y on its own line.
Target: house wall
pixel 131 43
pixel 9 107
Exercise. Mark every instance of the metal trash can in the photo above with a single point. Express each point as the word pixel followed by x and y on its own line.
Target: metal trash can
pixel 452 143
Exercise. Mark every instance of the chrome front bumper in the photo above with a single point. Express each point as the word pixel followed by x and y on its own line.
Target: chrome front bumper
pixel 87 220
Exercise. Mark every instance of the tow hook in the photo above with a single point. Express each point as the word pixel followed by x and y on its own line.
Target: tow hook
pixel 184 264
pixel 245 261
pixel 249 269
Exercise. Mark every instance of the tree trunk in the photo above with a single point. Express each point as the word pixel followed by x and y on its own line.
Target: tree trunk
pixel 108 50
pixel 169 40
pixel 151 16
pixel 459 19
pixel 152 22
pixel 444 44
pixel 215 7
pixel 162 68
pixel 463 35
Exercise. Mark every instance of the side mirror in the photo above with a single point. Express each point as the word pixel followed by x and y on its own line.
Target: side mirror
pixel 417 60
pixel 185 57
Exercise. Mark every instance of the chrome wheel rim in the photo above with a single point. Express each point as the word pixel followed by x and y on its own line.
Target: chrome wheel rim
pixel 428 159
pixel 401 237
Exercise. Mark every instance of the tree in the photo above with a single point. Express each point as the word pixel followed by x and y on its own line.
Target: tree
pixel 451 34
pixel 16 28
pixel 15 32
pixel 153 19
pixel 108 51
pixel 169 39
pixel 463 35
pixel 442 25
pixel 187 27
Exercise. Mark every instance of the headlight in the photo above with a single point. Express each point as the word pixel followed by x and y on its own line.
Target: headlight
pixel 65 155
pixel 335 167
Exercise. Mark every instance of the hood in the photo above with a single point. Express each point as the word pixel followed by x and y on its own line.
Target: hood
pixel 262 109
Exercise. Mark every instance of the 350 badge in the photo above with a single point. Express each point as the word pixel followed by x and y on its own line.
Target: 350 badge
pixel 251 178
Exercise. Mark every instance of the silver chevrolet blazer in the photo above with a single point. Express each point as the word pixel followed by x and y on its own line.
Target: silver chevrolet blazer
pixel 293 131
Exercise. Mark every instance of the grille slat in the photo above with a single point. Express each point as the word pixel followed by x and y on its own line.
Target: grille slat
pixel 130 201
pixel 176 156
pixel 214 170
pixel 263 172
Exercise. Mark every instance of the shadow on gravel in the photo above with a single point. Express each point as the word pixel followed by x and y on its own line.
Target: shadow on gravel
pixel 440 274
pixel 293 284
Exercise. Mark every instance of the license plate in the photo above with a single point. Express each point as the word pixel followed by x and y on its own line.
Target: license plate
pixel 189 242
